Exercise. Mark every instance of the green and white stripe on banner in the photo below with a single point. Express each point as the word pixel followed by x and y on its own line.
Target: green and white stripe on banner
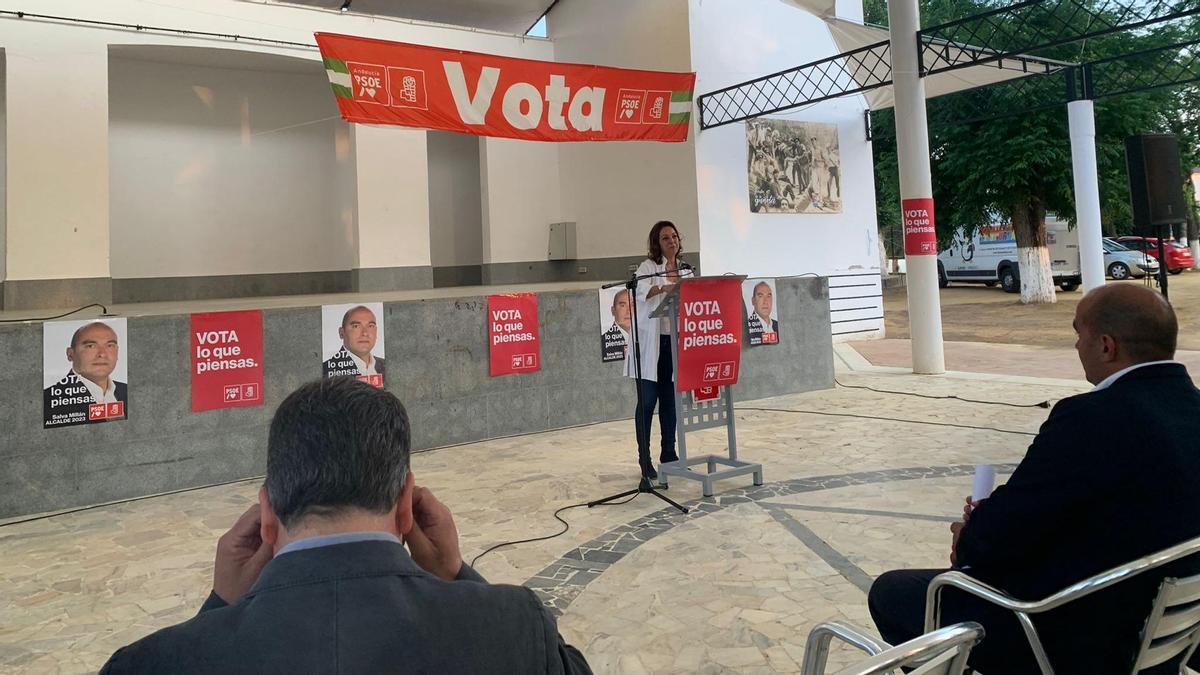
pixel 681 107
pixel 339 77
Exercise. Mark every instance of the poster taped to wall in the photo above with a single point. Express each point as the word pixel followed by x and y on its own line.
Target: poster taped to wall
pixel 762 319
pixel 615 324
pixel 85 374
pixel 794 167
pixel 227 360
pixel 352 342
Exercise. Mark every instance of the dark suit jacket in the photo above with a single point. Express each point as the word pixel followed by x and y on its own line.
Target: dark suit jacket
pixel 362 607
pixel 1112 476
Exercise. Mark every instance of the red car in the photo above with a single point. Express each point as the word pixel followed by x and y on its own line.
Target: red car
pixel 1179 257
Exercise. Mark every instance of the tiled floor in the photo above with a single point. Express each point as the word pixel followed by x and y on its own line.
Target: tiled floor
pixel 856 482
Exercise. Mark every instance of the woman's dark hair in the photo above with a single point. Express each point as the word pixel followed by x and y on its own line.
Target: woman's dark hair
pixel 654 251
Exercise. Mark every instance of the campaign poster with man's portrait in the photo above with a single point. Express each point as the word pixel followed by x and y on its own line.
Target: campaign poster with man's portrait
pixel 352 341
pixel 616 322
pixel 762 319
pixel 793 167
pixel 85 372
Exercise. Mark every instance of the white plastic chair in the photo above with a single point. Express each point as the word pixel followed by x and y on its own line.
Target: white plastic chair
pixel 941 652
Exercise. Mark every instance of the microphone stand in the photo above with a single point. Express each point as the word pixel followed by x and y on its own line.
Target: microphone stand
pixel 644 483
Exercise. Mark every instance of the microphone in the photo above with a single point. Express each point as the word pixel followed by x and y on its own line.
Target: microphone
pixel 684 265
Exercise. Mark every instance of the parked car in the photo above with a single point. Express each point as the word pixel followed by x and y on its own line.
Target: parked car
pixel 1179 257
pixel 1122 263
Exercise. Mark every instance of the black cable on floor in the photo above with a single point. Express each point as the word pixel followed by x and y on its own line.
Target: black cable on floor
pixel 59 316
pixel 565 528
pixel 888 419
pixel 1043 404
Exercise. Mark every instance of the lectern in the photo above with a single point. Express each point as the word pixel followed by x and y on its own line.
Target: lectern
pixel 696 411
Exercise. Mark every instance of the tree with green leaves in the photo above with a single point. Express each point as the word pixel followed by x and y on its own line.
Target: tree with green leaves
pixel 1017 168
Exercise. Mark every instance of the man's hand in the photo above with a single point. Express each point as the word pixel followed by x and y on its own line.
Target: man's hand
pixel 433 540
pixel 957 528
pixel 241 557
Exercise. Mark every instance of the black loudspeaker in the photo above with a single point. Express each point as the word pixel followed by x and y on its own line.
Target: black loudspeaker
pixel 1155 182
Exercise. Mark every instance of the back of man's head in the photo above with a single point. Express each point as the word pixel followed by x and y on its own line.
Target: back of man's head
pixel 1141 321
pixel 335 445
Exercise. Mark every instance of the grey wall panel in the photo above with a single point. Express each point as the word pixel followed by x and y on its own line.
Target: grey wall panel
pixel 438 365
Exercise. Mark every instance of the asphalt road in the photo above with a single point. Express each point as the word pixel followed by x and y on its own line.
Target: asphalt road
pixel 976 313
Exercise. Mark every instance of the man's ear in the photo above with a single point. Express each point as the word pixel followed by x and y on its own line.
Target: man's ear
pixel 404 507
pixel 1109 346
pixel 342 333
pixel 269 529
pixel 71 354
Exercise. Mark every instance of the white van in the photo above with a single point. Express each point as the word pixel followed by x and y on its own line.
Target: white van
pixel 990 256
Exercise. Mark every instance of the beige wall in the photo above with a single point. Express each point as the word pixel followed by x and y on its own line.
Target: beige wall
pixel 616 191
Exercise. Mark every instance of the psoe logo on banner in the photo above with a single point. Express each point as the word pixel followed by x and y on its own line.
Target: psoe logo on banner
pixel 408 88
pixel 629 106
pixel 368 82
pixel 524 361
pixel 657 107
pixel 106 411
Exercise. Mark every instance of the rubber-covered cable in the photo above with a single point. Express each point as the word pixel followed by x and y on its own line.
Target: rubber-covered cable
pixel 56 316
pixel 565 528
pixel 1041 404
pixel 886 419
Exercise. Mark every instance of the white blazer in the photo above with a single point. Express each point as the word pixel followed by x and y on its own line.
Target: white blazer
pixel 648 328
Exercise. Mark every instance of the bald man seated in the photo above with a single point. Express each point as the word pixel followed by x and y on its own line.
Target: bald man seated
pixel 1113 475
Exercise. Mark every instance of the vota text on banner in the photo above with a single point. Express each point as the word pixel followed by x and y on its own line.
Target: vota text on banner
pixel 381 82
pixel 920 235
pixel 513 334
pixel 710 333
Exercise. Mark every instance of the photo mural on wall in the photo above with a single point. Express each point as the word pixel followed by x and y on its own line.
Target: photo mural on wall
pixel 794 167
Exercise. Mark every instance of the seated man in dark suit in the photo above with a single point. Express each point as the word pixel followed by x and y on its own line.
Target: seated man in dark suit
pixel 1113 475
pixel 315 579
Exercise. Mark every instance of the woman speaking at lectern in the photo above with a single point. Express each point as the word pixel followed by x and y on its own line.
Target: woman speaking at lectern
pixel 656 384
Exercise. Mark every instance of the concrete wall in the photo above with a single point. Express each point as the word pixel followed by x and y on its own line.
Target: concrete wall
pixel 437 364
pixel 219 171
pixel 616 191
pixel 733 41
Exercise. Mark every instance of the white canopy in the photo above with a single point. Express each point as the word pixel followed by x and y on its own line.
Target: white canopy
pixel 851 35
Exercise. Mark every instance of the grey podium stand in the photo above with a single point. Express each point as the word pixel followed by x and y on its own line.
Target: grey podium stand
pixel 693 415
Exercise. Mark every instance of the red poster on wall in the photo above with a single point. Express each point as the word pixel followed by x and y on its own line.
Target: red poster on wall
pixel 710 333
pixel 381 82
pixel 227 369
pixel 920 235
pixel 513 334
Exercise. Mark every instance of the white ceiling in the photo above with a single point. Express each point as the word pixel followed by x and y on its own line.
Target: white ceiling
pixel 507 16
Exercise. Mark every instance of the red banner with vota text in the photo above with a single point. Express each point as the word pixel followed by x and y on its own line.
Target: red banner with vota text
pixel 513 334
pixel 920 235
pixel 380 82
pixel 227 370
pixel 710 333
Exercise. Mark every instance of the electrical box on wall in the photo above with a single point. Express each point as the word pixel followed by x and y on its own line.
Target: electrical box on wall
pixel 562 241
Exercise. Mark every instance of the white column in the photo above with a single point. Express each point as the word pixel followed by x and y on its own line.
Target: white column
pixel 912 150
pixel 1087 192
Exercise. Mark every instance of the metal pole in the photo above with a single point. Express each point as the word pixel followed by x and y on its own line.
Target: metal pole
pixel 1082 121
pixel 916 185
